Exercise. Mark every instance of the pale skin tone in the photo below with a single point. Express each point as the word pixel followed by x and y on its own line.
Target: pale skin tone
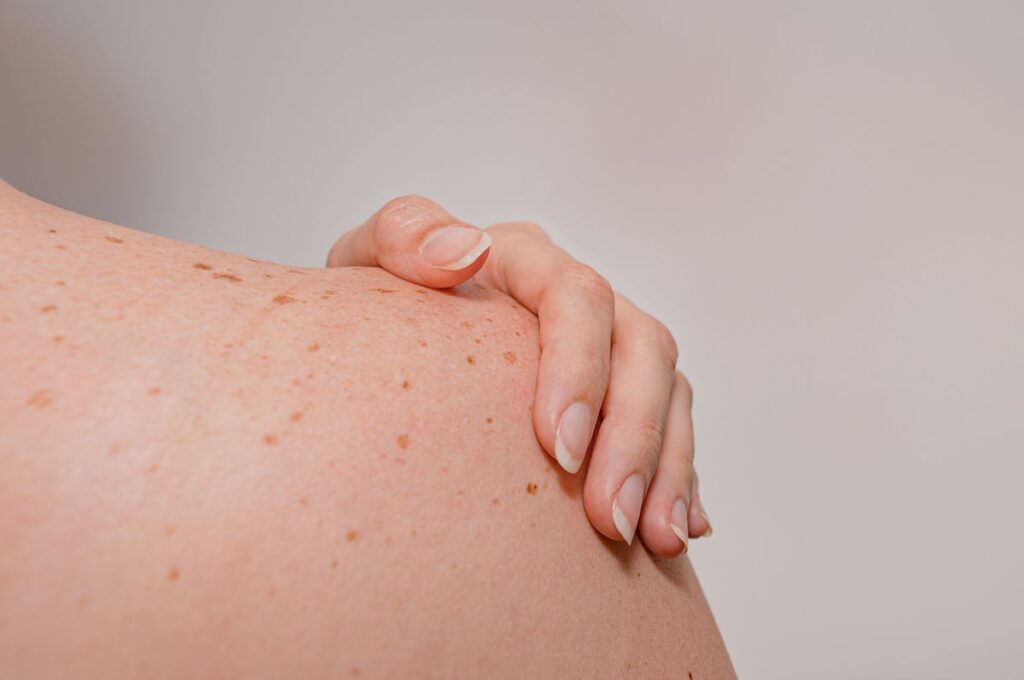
pixel 221 467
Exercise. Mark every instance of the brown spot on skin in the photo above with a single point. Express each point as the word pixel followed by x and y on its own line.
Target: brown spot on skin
pixel 470 359
pixel 531 488
pixel 283 299
pixel 61 246
pixel 59 283
pixel 58 338
pixel 421 291
pixel 329 292
pixel 334 564
pixel 174 574
pixel 400 461
pixel 169 530
pixel 490 420
pixel 355 671
pixel 495 501
pixel 114 239
pixel 385 290
pixel 228 277
pixel 270 439
pixel 403 441
pixel 202 265
pixel 296 382
pixel 477 341
pixel 510 357
pixel 48 309
pixel 533 525
pixel 405 385
pixel 81 602
pixel 314 347
pixel 296 416
pixel 153 391
pixel 351 535
pixel 52 231
pixel 41 399
pixel 303 501
pixel 466 324
pixel 152 468
pixel 412 532
pixel 423 343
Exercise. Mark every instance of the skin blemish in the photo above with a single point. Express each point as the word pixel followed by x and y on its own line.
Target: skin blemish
pixel 52 231
pixel 114 239
pixel 531 488
pixel 58 338
pixel 400 461
pixel 490 420
pixel 423 343
pixel 296 416
pixel 351 535
pixel 355 671
pixel 495 501
pixel 59 283
pixel 61 246
pixel 228 277
pixel 169 530
pixel 466 324
pixel 406 385
pixel 314 347
pixel 270 439
pixel 283 299
pixel 153 391
pixel 202 265
pixel 384 291
pixel 510 357
pixel 303 501
pixel 174 574
pixel 48 309
pixel 152 469
pixel 470 359
pixel 334 564
pixel 403 441
pixel 477 341
pixel 40 400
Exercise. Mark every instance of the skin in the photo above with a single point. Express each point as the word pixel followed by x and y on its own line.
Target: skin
pixel 217 467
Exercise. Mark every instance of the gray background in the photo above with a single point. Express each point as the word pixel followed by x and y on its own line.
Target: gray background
pixel 824 201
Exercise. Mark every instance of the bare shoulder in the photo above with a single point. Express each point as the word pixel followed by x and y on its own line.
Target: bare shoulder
pixel 220 466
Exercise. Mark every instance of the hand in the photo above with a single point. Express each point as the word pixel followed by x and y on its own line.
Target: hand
pixel 600 356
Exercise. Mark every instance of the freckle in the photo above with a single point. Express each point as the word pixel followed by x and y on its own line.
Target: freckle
pixel 334 564
pixel 61 246
pixel 400 461
pixel 466 324
pixel 303 501
pixel 48 309
pixel 510 357
pixel 477 341
pixel 59 283
pixel 531 488
pixel 328 293
pixel 271 592
pixel 355 670
pixel 489 319
pixel 283 299
pixel 423 343
pixel 174 574
pixel 202 265
pixel 52 231
pixel 153 391
pixel 490 420
pixel 170 529
pixel 412 532
pixel 444 469
pixel 152 468
pixel 420 291
pixel 470 359
pixel 533 525
pixel 309 376
pixel 270 439
pixel 403 441
pixel 296 382
pixel 114 449
pixel 58 338
pixel 405 385
pixel 228 277
pixel 296 416
pixel 495 501
pixel 351 535
pixel 40 399
pixel 114 239
pixel 81 602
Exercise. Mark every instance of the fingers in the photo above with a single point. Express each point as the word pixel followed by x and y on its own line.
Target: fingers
pixel 629 441
pixel 664 525
pixel 575 307
pixel 416 239
pixel 700 525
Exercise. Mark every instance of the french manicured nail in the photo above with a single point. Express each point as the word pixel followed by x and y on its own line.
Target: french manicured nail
pixel 573 436
pixel 678 521
pixel 704 516
pixel 455 248
pixel 626 506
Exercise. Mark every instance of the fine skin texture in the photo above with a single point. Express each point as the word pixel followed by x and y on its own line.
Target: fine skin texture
pixel 217 467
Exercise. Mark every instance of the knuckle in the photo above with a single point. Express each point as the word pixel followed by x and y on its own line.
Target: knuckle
pixel 405 209
pixel 589 282
pixel 684 386
pixel 662 339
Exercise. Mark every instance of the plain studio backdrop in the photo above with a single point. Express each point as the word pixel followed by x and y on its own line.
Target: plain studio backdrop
pixel 824 202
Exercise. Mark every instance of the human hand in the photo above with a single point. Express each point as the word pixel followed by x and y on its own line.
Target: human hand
pixel 600 356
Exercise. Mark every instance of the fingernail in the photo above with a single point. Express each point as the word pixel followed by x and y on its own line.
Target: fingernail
pixel 704 516
pixel 573 435
pixel 679 523
pixel 626 506
pixel 455 248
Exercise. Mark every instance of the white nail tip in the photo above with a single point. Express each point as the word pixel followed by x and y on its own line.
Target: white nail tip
pixel 679 532
pixel 469 258
pixel 564 458
pixel 621 523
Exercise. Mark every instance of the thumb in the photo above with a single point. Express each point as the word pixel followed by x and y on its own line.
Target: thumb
pixel 417 240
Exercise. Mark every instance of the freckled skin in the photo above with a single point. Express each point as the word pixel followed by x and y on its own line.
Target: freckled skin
pixel 393 566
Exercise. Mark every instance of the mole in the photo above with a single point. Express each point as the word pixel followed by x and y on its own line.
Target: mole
pixel 283 299
pixel 531 488
pixel 351 535
pixel 228 277
pixel 510 357
pixel 114 239
pixel 153 391
pixel 58 338
pixel 296 416
pixel 202 265
pixel 334 564
pixel 270 439
pixel 47 309
pixel 405 385
pixel 303 501
pixel 170 529
pixel 174 574
pixel 490 420
pixel 40 399
pixel 403 441
pixel 470 359
pixel 314 347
